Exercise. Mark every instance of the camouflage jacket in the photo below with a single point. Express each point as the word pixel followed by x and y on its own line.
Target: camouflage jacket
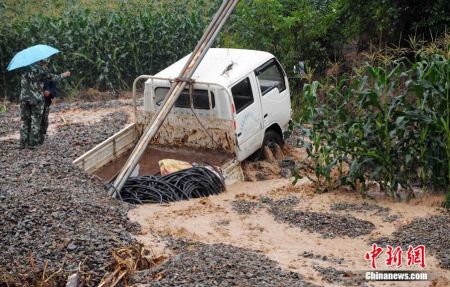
pixel 32 83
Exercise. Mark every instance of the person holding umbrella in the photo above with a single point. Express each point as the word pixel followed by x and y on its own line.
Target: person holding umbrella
pixel 32 93
pixel 49 94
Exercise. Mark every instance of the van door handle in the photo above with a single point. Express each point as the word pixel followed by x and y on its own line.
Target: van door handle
pixel 265 116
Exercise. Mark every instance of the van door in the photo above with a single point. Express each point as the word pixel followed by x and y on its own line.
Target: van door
pixel 248 114
pixel 275 97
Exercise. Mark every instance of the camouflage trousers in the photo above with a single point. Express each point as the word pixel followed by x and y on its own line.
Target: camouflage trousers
pixel 31 118
pixel 44 122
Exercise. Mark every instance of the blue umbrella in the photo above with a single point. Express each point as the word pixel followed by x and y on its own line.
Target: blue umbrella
pixel 31 55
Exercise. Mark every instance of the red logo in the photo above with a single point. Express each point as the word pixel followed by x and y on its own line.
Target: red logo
pixel 415 256
pixel 394 256
pixel 373 255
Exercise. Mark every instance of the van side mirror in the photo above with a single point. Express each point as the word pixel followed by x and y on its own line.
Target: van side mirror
pixel 300 68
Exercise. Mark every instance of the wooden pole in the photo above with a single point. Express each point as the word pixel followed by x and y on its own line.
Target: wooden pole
pixel 175 90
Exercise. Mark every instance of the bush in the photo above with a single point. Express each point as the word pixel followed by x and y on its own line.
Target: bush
pixel 292 30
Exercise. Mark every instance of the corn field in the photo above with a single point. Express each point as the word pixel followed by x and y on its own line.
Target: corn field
pixel 388 122
pixel 107 49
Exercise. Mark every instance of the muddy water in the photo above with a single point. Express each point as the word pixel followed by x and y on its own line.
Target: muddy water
pixel 213 220
pixel 148 165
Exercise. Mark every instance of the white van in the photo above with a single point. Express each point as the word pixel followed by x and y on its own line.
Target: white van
pixel 238 100
pixel 250 87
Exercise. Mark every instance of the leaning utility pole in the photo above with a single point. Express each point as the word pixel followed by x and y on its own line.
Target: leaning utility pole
pixel 175 90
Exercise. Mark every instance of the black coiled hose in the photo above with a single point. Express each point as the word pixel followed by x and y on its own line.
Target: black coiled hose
pixel 189 183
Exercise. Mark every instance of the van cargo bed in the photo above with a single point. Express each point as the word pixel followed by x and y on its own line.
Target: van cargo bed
pixel 106 159
pixel 148 164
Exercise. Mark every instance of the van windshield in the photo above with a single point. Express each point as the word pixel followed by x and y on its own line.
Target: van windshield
pixel 200 98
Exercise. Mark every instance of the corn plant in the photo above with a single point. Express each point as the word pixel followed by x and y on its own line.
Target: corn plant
pixel 3 107
pixel 106 49
pixel 389 124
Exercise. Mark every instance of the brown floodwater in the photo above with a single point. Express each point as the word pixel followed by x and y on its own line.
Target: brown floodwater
pixel 148 165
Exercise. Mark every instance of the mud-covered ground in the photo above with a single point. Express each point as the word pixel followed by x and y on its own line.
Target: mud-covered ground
pixel 321 238
pixel 261 233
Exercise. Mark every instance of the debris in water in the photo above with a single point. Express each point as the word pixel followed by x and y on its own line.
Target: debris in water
pixel 128 260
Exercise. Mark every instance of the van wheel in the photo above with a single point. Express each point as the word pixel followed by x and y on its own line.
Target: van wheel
pixel 271 138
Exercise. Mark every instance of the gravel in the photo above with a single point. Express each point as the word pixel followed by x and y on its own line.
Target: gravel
pixel 287 202
pixel 244 206
pixel 340 277
pixel 9 121
pixel 52 212
pixel 433 232
pixel 311 255
pixel 383 212
pixel 79 138
pixel 329 225
pixel 199 264
pixel 91 105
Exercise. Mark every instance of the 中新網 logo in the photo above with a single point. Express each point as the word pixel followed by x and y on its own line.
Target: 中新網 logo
pixel 394 256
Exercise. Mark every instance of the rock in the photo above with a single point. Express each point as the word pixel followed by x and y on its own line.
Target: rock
pixel 288 163
pixel 73 280
pixel 71 247
pixel 286 173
